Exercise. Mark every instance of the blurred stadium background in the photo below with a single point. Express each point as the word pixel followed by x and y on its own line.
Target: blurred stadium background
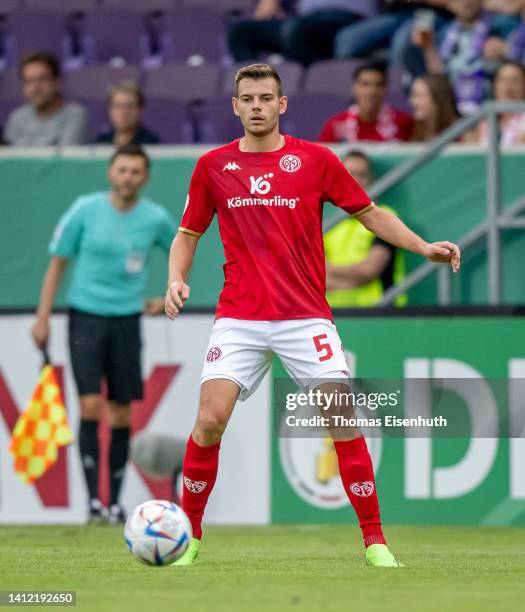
pixel 455 327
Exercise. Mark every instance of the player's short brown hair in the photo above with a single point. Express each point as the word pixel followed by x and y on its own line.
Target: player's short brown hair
pixel 41 57
pixel 257 72
pixel 129 87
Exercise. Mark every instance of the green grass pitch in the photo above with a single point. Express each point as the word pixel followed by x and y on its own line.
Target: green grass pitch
pixel 275 569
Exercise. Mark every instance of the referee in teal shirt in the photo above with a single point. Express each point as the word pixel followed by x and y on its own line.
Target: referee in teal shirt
pixel 111 236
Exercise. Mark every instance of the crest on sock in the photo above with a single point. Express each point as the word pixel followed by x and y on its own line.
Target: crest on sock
pixel 362 489
pixel 194 486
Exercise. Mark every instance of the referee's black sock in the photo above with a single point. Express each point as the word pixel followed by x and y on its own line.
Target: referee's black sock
pixel 89 454
pixel 118 457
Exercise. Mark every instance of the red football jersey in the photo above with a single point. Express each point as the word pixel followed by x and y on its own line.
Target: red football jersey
pixel 392 125
pixel 269 209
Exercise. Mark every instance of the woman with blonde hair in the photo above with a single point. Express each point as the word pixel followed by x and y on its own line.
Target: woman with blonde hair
pixel 125 109
pixel 509 86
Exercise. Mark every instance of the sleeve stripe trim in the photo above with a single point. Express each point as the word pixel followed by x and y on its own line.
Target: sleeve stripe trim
pixel 185 230
pixel 363 210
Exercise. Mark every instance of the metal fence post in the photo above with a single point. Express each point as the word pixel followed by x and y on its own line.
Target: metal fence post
pixel 493 210
pixel 444 286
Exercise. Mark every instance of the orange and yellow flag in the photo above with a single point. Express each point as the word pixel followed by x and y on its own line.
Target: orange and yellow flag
pixel 40 429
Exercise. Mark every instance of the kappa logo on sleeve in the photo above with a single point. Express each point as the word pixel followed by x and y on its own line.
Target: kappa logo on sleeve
pixel 195 486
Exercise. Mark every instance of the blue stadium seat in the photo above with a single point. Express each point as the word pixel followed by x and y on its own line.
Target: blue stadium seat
pixel 68 6
pixel 93 82
pixel 307 114
pixel 216 122
pixel 115 33
pixel 332 77
pixel 187 32
pixel 170 119
pixel 37 30
pixel 179 81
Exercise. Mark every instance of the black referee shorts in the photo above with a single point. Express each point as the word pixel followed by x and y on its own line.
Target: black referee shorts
pixel 106 347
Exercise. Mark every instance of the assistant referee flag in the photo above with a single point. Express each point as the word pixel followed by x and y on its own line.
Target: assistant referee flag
pixel 40 429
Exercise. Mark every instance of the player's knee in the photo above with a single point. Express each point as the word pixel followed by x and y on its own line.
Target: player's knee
pixel 209 428
pixel 119 415
pixel 91 407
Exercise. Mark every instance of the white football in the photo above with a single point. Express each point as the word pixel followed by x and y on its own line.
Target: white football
pixel 157 532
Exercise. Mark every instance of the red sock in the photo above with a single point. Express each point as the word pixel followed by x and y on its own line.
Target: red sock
pixel 199 472
pixel 357 474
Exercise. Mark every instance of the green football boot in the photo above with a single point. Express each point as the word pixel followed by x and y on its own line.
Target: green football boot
pixel 378 555
pixel 191 553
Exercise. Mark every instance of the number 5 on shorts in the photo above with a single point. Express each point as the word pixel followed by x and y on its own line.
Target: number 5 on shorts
pixel 323 346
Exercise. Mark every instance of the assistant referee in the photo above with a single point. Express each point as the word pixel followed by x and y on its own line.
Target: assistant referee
pixel 111 236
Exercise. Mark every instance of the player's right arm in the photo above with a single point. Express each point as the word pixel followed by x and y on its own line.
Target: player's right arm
pixel 197 216
pixel 50 286
pixel 181 257
pixel 64 245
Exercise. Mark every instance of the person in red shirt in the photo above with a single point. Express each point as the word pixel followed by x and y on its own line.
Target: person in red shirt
pixel 268 191
pixel 369 118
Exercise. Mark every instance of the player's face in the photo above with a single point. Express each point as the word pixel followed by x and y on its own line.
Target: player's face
pixel 127 174
pixel 369 89
pixel 360 169
pixel 39 85
pixel 465 9
pixel 509 84
pixel 124 111
pixel 258 105
pixel 421 101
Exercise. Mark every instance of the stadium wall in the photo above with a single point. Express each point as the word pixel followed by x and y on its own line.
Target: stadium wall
pixel 268 478
pixel 441 201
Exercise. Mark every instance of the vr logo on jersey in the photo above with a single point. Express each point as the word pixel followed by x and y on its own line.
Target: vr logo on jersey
pixel 260 185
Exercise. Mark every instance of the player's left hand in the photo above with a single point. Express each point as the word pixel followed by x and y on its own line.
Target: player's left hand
pixel 444 252
pixel 155 306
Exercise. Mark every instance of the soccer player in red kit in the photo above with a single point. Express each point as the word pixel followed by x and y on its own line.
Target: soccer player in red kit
pixel 268 190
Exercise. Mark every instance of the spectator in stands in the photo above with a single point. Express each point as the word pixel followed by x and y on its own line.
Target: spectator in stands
pixel 305 37
pixel 125 108
pixel 514 46
pixel 360 267
pixel 459 52
pixel 46 120
pixel 369 118
pixel 509 85
pixel 390 29
pixel 433 106
pixel 516 42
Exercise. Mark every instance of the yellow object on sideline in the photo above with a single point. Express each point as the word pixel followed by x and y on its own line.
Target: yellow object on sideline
pixel 40 429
